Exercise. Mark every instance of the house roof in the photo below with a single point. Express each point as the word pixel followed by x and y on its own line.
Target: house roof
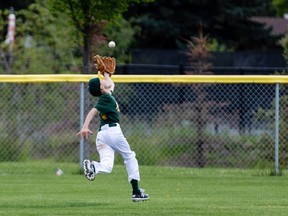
pixel 279 25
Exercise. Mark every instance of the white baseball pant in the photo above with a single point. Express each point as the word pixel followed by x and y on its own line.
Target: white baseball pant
pixel 110 140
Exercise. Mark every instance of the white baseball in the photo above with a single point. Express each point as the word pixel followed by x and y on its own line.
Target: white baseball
pixel 59 172
pixel 111 44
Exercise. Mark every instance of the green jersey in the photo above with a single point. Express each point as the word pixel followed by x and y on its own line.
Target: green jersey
pixel 108 109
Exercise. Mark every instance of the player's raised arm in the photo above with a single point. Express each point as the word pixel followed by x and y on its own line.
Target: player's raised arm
pixel 106 66
pixel 109 81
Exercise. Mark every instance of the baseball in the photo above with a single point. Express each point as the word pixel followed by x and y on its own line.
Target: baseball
pixel 59 172
pixel 111 44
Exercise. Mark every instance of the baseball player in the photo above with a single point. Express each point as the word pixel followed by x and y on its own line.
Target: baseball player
pixel 110 138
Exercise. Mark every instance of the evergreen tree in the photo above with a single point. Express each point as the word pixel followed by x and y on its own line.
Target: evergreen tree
pixel 166 23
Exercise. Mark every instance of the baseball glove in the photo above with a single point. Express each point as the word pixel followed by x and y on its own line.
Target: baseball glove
pixel 105 64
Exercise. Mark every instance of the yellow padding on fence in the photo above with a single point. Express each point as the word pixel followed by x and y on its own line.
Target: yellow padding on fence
pixel 146 78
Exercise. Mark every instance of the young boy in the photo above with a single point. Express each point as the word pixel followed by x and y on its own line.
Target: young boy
pixel 110 138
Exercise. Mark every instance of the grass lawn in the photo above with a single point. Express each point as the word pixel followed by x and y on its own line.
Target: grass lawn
pixel 34 189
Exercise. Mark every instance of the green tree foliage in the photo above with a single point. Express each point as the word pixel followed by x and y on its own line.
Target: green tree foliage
pixel 284 44
pixel 41 45
pixel 268 115
pixel 88 16
pixel 119 31
pixel 166 23
pixel 281 6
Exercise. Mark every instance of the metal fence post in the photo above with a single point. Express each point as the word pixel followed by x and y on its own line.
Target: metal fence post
pixel 276 129
pixel 81 156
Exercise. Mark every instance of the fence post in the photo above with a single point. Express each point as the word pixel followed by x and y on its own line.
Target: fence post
pixel 81 150
pixel 277 129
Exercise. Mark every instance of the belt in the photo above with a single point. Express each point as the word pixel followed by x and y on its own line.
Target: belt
pixel 106 126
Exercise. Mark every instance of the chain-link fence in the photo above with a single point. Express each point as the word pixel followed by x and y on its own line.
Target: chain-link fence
pixel 236 125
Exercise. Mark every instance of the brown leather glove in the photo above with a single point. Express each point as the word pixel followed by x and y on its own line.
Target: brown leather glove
pixel 105 64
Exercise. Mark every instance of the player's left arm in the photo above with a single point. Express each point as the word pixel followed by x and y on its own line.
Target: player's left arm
pixel 108 83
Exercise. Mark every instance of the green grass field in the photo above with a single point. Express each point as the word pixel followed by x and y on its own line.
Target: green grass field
pixel 34 189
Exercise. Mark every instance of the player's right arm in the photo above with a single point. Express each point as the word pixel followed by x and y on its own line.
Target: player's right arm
pixel 84 132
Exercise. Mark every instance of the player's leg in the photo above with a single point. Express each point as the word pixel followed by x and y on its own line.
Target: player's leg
pixel 132 167
pixel 106 154
pixel 120 144
pixel 133 173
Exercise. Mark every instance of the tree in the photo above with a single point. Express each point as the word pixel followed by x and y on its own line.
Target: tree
pixel 200 107
pixel 165 23
pixel 40 46
pixel 198 54
pixel 88 16
pixel 284 44
pixel 122 33
pixel 281 6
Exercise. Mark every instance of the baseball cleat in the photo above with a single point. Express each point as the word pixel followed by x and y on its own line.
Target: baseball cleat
pixel 140 196
pixel 89 170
